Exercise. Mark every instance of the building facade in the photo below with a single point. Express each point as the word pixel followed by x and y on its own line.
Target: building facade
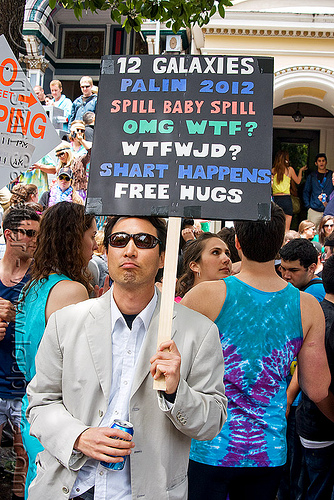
pixel 299 35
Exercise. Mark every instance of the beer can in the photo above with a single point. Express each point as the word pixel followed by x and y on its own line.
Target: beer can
pixel 125 426
pixel 323 197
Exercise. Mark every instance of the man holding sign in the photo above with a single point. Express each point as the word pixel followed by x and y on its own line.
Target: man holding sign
pixel 95 364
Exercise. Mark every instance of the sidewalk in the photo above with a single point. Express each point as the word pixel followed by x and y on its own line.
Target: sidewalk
pixel 7 461
pixel 6 476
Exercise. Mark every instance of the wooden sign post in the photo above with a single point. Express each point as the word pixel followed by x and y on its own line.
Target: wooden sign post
pixel 168 288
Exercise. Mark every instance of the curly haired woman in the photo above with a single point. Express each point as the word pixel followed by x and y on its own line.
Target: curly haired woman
pixel 59 277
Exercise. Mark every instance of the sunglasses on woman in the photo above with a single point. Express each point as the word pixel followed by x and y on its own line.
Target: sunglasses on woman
pixel 328 225
pixel 141 240
pixel 60 154
pixel 64 178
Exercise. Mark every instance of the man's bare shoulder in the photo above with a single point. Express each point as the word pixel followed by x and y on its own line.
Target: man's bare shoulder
pixel 207 298
pixel 64 293
pixel 307 300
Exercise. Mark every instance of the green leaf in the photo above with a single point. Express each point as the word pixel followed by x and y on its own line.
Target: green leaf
pixel 78 10
pixel 127 26
pixel 116 16
pixel 221 9
pixel 154 11
pixel 52 4
pixel 137 24
pixel 177 25
pixel 212 11
pixel 122 8
pixel 175 14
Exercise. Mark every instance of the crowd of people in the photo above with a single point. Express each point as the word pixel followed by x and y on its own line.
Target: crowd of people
pixel 77 138
pixel 247 406
pixel 318 189
pixel 259 329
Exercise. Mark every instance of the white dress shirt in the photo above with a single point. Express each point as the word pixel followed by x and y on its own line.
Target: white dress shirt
pixel 126 345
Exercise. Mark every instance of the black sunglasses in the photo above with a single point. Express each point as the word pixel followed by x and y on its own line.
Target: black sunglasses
pixel 64 178
pixel 141 240
pixel 85 86
pixel 27 232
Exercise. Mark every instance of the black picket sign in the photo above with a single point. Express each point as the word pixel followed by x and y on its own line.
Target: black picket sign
pixel 183 136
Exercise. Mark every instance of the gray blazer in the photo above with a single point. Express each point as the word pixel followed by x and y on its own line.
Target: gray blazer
pixel 71 389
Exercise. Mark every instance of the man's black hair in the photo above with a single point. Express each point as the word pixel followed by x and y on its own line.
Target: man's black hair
pixel 320 155
pixel 300 249
pixel 157 222
pixel 187 222
pixel 16 214
pixel 227 234
pixel 261 240
pixel 328 275
pixel 88 117
pixel 329 241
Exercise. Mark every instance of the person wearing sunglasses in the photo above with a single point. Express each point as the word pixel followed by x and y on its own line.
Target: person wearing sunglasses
pixel 86 102
pixel 20 228
pixel 96 363
pixel 325 228
pixel 59 277
pixel 81 150
pixel 61 191
pixel 79 145
pixel 64 155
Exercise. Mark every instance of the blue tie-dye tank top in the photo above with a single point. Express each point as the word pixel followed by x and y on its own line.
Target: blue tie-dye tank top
pixel 260 333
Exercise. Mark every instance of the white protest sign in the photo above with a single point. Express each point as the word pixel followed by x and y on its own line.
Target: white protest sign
pixel 26 133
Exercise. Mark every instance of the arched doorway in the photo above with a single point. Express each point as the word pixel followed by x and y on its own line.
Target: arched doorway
pixel 310 90
pixel 307 91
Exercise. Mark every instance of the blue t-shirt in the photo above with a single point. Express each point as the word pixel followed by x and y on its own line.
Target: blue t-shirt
pixel 12 383
pixel 261 333
pixel 316 288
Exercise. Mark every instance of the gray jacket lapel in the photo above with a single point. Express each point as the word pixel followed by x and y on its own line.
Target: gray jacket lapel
pixel 98 331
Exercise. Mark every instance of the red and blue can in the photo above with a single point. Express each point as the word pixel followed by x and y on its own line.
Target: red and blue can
pixel 125 426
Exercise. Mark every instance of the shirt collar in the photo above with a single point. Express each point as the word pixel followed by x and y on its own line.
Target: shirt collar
pixel 60 100
pixel 145 315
